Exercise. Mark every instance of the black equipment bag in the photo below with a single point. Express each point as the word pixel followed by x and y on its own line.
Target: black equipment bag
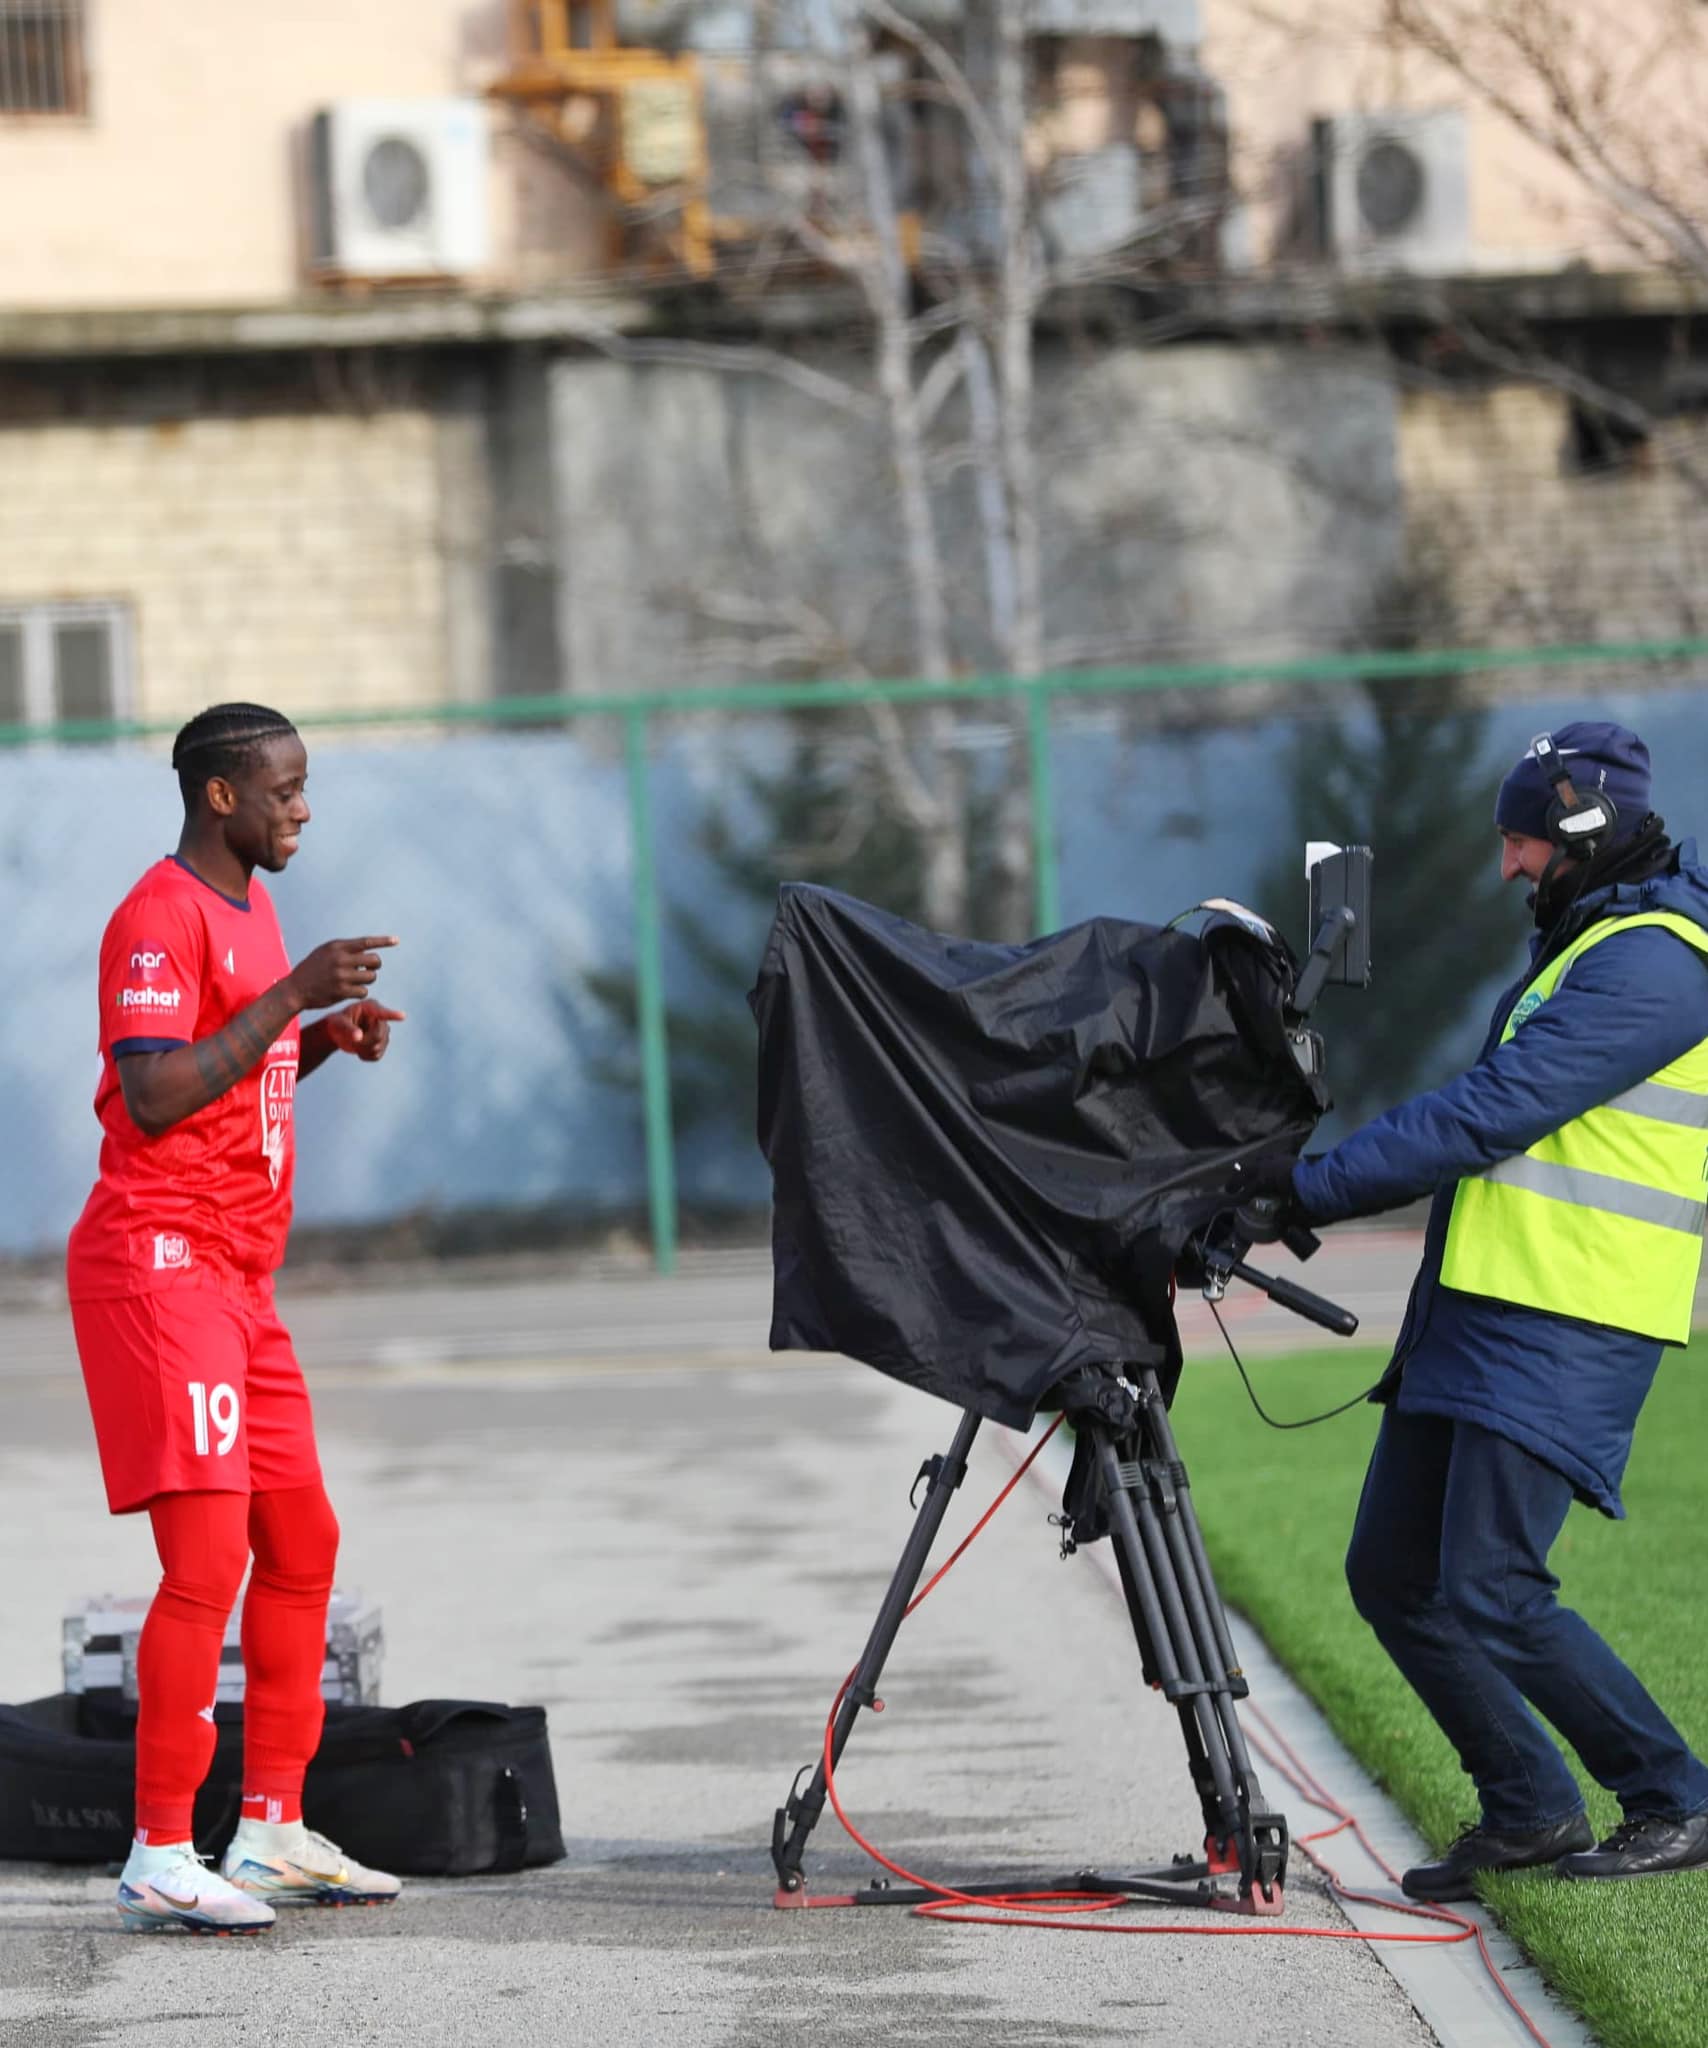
pixel 439 1788
pixel 66 1793
pixel 986 1159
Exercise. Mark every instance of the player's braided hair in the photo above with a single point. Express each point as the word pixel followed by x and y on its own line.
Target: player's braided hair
pixel 224 740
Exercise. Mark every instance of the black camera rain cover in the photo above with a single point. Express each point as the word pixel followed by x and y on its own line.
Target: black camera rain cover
pixel 986 1158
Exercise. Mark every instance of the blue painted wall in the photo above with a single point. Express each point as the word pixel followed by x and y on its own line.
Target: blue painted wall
pixel 503 863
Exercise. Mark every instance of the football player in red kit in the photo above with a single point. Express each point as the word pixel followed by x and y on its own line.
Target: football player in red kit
pixel 199 1406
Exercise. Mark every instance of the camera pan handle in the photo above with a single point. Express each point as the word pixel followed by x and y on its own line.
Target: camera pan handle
pixel 1288 1294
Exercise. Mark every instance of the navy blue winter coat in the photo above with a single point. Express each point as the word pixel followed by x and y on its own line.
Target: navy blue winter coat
pixel 1568 1390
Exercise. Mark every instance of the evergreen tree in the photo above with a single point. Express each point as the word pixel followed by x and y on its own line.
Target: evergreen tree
pixel 820 816
pixel 1405 770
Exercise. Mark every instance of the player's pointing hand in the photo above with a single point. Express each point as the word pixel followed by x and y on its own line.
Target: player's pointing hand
pixel 337 972
pixel 364 1029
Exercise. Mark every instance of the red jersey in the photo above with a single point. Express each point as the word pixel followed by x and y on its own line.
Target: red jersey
pixel 178 961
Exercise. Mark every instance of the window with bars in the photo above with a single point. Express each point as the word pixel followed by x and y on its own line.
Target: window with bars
pixel 64 662
pixel 42 57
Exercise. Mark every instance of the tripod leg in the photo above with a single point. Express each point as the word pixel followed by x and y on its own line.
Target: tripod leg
pixel 796 1820
pixel 1163 1617
pixel 1262 1840
pixel 1197 1757
pixel 1191 1652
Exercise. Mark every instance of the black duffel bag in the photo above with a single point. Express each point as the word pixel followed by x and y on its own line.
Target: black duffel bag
pixel 439 1788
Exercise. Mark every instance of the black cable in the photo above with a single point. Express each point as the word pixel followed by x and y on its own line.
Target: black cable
pixel 1305 1422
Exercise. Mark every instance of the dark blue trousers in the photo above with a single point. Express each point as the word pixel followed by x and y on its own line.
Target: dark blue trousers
pixel 1449 1565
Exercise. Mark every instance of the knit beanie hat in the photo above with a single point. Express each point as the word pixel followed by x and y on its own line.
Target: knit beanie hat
pixel 1605 760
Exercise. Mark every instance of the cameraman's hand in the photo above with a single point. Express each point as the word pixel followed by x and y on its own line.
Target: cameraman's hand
pixel 1267 1218
pixel 341 971
pixel 1271 1210
pixel 1270 1178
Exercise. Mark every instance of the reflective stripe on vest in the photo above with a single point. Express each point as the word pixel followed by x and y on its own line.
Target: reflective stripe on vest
pixel 1603 1218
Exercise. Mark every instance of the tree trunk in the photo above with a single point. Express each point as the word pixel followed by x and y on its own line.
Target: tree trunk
pixel 885 280
pixel 990 491
pixel 1016 305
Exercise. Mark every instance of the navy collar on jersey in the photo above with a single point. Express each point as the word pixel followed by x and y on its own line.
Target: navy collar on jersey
pixel 236 902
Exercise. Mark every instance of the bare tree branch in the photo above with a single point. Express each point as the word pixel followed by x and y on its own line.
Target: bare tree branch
pixel 734 358
pixel 1565 111
pixel 950 77
pixel 918 803
pixel 1534 365
pixel 938 384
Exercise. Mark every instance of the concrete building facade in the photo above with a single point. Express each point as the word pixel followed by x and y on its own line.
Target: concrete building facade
pixel 164 156
pixel 181 173
pixel 225 473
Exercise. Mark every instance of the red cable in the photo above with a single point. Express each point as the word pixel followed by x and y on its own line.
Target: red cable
pixel 1303 1781
pixel 1064 1910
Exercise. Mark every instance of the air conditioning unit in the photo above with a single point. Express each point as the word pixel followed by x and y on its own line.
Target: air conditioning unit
pixel 1394 190
pixel 399 188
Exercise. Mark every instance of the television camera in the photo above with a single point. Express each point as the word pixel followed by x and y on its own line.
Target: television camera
pixel 1129 1483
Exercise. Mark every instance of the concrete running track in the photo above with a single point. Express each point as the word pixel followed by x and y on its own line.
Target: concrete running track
pixel 602 1494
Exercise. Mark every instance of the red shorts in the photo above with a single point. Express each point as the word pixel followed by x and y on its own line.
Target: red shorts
pixel 195 1389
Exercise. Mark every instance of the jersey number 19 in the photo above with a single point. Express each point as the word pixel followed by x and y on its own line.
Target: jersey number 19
pixel 218 1408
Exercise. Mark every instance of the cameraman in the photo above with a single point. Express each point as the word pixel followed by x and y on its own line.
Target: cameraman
pixel 1562 1252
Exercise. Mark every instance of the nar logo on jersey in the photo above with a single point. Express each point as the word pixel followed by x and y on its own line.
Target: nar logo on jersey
pixel 158 999
pixel 147 961
pixel 171 1252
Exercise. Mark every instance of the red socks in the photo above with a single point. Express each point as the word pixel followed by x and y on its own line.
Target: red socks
pixel 204 1540
pixel 295 1537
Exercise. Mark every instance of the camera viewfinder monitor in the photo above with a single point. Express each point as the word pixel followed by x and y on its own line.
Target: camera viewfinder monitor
pixel 1340 880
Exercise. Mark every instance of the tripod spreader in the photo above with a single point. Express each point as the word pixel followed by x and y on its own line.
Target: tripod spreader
pixel 1185 1653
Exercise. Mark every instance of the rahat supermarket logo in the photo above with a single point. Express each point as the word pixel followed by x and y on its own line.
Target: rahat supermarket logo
pixel 158 1000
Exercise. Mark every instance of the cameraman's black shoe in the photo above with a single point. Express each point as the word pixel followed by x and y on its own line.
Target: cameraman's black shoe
pixel 1643 1848
pixel 1479 1849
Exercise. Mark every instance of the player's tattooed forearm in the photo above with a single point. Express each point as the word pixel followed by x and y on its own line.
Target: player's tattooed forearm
pixel 218 1064
pixel 223 1060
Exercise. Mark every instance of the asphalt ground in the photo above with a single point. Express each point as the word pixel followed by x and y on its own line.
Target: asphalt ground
pixel 716 1309
pixel 680 1560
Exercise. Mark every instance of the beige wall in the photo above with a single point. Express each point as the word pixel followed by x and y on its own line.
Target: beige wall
pixel 300 561
pixel 344 559
pixel 1534 550
pixel 1284 62
pixel 183 185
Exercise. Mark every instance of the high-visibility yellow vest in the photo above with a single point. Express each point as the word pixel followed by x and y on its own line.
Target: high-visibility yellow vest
pixel 1602 1219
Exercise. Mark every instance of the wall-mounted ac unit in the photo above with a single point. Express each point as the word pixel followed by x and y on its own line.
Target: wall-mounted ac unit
pixel 1394 190
pixel 399 188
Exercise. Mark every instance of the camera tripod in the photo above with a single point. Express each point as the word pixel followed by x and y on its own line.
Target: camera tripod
pixel 1141 1493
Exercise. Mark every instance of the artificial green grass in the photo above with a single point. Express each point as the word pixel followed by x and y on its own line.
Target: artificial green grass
pixel 1277 1510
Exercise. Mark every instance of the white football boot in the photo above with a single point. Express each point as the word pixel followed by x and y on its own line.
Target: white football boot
pixel 169 1886
pixel 287 1864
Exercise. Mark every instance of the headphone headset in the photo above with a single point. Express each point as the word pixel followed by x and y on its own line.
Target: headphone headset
pixel 1578 826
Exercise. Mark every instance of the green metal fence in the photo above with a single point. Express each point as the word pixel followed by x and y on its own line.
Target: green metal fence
pixel 1029 701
